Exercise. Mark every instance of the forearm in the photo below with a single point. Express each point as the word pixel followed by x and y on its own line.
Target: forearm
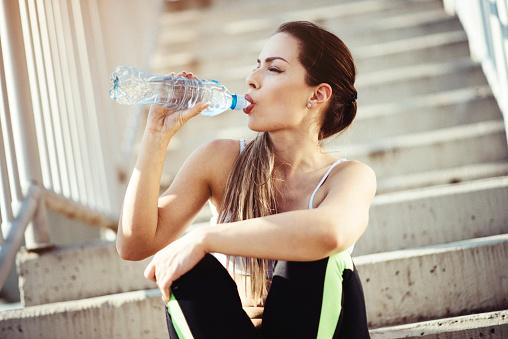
pixel 139 217
pixel 301 235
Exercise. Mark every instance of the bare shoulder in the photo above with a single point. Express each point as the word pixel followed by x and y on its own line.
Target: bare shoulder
pixel 222 152
pixel 354 175
pixel 355 165
pixel 209 162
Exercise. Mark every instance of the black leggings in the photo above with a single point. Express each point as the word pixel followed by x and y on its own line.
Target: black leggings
pixel 307 299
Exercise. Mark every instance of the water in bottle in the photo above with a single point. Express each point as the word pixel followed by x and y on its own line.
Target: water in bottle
pixel 132 86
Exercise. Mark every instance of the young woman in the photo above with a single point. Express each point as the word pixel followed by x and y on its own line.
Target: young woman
pixel 289 213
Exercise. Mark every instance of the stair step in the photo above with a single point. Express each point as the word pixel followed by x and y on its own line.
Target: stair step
pixel 427 113
pixel 321 11
pixel 435 281
pixel 409 81
pixel 431 49
pixel 483 325
pixel 220 13
pixel 138 314
pixel 445 148
pixel 405 26
pixel 442 177
pixel 77 271
pixel 423 217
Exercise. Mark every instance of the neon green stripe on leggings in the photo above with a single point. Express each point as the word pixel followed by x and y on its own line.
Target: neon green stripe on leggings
pixel 178 319
pixel 332 294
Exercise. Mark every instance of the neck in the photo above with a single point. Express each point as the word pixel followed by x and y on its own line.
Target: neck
pixel 298 154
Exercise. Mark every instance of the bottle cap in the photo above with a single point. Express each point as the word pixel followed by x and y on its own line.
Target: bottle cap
pixel 239 102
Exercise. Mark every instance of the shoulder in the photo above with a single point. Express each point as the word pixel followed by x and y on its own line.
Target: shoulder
pixel 220 152
pixel 223 146
pixel 353 175
pixel 218 157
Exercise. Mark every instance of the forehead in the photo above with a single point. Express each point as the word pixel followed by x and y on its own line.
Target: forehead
pixel 282 45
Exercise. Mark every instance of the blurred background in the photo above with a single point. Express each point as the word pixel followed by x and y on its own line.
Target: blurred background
pixel 432 103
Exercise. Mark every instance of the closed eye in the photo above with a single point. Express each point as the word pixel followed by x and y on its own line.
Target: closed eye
pixel 272 69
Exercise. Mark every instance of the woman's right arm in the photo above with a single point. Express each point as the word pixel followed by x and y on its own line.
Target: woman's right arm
pixel 140 218
pixel 149 221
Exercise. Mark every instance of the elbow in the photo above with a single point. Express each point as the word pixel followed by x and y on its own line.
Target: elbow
pixel 334 244
pixel 123 250
pixel 129 250
pixel 132 246
pixel 334 239
pixel 331 243
pixel 127 253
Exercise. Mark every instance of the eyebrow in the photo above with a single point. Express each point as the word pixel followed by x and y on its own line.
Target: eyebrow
pixel 273 58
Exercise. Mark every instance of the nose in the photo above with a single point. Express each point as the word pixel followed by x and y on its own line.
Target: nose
pixel 251 80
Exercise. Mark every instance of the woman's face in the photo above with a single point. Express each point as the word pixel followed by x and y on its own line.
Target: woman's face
pixel 278 88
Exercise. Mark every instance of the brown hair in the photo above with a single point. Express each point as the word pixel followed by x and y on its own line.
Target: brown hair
pixel 251 189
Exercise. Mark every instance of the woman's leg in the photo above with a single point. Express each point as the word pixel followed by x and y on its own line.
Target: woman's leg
pixel 320 299
pixel 205 304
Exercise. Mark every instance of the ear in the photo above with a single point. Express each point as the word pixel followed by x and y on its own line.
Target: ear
pixel 322 93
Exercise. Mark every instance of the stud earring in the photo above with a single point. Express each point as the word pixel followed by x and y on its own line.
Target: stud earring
pixel 309 104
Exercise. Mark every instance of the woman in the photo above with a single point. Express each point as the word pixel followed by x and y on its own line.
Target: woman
pixel 288 211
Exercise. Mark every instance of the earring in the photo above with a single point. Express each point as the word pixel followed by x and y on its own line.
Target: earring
pixel 309 104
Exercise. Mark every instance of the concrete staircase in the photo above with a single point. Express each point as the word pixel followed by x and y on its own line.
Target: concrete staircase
pixel 433 260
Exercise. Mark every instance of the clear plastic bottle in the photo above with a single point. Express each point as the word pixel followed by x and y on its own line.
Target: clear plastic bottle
pixel 131 86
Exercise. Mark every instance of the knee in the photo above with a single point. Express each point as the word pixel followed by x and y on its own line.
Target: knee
pixel 207 272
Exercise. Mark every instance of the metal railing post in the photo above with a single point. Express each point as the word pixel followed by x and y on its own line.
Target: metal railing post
pixel 23 126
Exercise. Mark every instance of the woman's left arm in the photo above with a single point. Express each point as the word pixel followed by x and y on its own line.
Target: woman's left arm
pixel 303 235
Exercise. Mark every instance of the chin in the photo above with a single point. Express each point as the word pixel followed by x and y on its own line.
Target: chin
pixel 255 128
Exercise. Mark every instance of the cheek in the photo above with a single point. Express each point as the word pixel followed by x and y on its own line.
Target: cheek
pixel 286 99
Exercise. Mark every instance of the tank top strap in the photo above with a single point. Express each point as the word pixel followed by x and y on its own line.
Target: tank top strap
pixel 242 145
pixel 327 173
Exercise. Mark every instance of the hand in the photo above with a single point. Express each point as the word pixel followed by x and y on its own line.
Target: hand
pixel 168 121
pixel 175 260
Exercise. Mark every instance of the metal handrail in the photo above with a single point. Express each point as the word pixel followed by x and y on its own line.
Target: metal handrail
pixel 58 130
pixel 33 59
pixel 486 26
pixel 36 197
pixel 16 231
pixel 73 210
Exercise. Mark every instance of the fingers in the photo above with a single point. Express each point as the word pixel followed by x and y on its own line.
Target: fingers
pixel 165 291
pixel 200 106
pixel 188 75
pixel 150 272
pixel 163 282
pixel 185 116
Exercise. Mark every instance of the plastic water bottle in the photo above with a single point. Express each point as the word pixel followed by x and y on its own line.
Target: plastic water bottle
pixel 131 86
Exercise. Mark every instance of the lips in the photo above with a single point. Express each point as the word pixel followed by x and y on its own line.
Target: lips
pixel 249 98
pixel 249 108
